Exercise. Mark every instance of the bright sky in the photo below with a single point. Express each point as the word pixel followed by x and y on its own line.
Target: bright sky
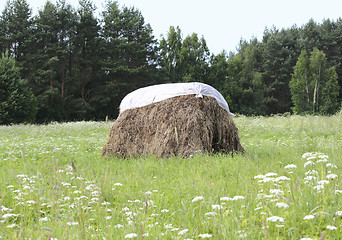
pixel 223 23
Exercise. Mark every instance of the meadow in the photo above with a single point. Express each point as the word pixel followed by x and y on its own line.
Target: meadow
pixel 54 184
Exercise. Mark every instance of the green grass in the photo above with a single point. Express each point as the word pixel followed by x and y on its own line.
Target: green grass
pixel 222 196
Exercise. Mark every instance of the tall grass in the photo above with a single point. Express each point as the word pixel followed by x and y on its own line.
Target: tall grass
pixel 55 185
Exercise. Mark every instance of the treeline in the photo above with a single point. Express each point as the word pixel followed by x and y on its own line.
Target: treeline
pixel 67 64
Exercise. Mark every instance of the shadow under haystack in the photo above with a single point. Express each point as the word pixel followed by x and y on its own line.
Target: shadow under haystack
pixel 182 125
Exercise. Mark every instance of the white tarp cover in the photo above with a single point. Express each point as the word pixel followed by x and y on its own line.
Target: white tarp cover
pixel 156 93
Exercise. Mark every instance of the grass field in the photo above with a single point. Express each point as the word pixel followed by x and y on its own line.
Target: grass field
pixel 55 185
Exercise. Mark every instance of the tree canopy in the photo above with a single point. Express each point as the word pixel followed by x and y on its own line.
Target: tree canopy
pixel 79 66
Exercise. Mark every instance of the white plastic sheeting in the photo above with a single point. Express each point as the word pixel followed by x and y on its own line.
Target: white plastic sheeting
pixel 156 93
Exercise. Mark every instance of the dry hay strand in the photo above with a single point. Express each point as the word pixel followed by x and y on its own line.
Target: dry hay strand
pixel 182 126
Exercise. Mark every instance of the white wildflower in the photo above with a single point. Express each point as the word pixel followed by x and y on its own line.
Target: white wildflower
pixel 105 203
pixel 290 166
pixel 338 213
pixel 131 235
pixel 72 223
pixel 309 163
pixel 205 235
pixel 311 172
pixel 118 226
pixel 148 193
pixel 275 219
pixel 330 227
pixel 306 239
pixel 12 225
pixel 282 205
pixel 9 215
pixel 310 178
pixel 277 192
pixel 322 182
pixel 183 232
pixel 267 179
pixel 271 174
pixel 308 217
pixel 331 165
pixel 118 184
pixel 259 177
pixel 216 207
pixel 238 198
pixel 332 176
pixel 44 219
pixel 318 187
pixel 225 199
pixel 77 191
pixel 197 199
pixel 282 178
pixel 66 184
pixel 164 210
pixel 338 191
pixel 108 217
pixel 210 214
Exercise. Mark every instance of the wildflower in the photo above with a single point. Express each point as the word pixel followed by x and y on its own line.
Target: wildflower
pixel 118 226
pixel 72 223
pixel 322 182
pixel 309 178
pixel 282 205
pixel 331 165
pixel 267 179
pixel 76 192
pixel 10 186
pixel 211 214
pixel 338 191
pixel 105 203
pixel 125 209
pixel 9 215
pixel 237 198
pixel 275 219
pixel 217 206
pixel 259 177
pixel 306 239
pixel 330 227
pixel 308 163
pixel 311 172
pixel 118 184
pixel 225 199
pixel 205 235
pixel 197 199
pixel 279 225
pixel 318 187
pixel 108 217
pixel 332 176
pixel 290 166
pixel 66 184
pixel 277 191
pixel 131 235
pixel 308 217
pixel 148 193
pixel 164 210
pixel 30 202
pixel 271 174
pixel 12 225
pixel 44 219
pixel 338 213
pixel 183 232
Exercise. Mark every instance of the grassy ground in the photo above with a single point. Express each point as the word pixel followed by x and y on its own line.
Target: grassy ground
pixel 55 185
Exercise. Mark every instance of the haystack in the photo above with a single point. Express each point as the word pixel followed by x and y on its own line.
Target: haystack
pixel 181 125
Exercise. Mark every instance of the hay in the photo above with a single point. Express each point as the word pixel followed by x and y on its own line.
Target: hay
pixel 182 125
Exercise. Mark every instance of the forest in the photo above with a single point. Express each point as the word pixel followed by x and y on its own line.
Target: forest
pixel 68 64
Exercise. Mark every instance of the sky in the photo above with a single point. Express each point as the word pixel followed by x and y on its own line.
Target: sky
pixel 222 23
